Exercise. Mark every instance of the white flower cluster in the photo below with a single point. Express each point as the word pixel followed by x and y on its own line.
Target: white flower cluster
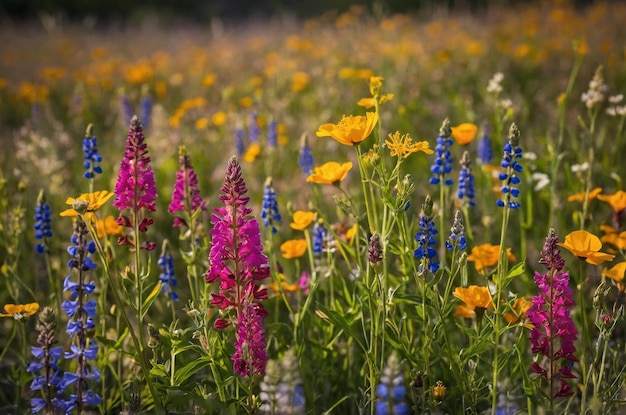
pixel 614 109
pixel 495 83
pixel 596 92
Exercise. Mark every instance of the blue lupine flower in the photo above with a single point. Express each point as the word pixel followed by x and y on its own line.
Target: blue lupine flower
pixel 145 113
pixel 391 390
pixel 485 153
pixel 509 162
pixel 126 109
pixel 81 314
pixel 272 134
pixel 167 277
pixel 425 238
pixel 270 213
pixel 442 165
pixel 254 132
pixel 305 157
pixel 43 229
pixel 92 159
pixel 457 234
pixel 320 237
pixel 240 145
pixel 465 191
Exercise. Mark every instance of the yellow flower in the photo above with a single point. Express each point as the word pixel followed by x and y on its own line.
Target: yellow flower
pixel 286 287
pixel 464 312
pixel 108 227
pixel 329 173
pixel 618 240
pixel 486 255
pixel 439 391
pixel 402 146
pixel 202 123
pixel 464 133
pixel 520 307
pixel 366 103
pixel 302 219
pixel 616 200
pixel 219 118
pixel 351 233
pixel 20 311
pixel 585 246
pixel 87 202
pixel 580 196
pixel 617 272
pixel 474 297
pixel 293 248
pixel 351 130
pixel 300 81
pixel 252 152
pixel 208 80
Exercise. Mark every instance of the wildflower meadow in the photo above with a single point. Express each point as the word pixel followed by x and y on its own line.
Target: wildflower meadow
pixel 358 213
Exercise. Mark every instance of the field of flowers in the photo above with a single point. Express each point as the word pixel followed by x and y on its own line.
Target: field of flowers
pixel 353 214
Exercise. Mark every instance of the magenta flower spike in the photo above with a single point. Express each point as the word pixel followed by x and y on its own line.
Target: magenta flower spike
pixel 250 357
pixel 186 195
pixel 237 261
pixel 135 188
pixel 553 334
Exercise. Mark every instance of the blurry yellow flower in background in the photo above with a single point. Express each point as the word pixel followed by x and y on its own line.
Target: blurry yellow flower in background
pixel 139 73
pixel 219 118
pixel 616 200
pixel 284 285
pixel 202 123
pixel 87 203
pixel 108 227
pixel 293 248
pixel 614 238
pixel 464 133
pixel 486 255
pixel 302 219
pixel 300 81
pixel 464 312
pixel 246 102
pixel 616 273
pixel 351 130
pixel 208 80
pixel 20 311
pixel 403 146
pixel 580 196
pixel 585 246
pixel 329 173
pixel 252 152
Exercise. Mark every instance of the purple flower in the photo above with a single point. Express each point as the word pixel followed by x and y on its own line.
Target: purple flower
pixel 553 333
pixel 425 238
pixel 186 195
pixel 442 165
pixel 305 157
pixel 250 358
pixel 465 191
pixel 269 213
pixel 135 187
pixel 509 162
pixel 237 261
pixel 43 229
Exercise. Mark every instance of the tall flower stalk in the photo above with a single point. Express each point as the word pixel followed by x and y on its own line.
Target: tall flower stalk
pixel 553 334
pixel 238 266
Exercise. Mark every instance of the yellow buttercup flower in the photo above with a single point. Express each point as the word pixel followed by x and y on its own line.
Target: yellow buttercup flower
pixel 252 152
pixel 464 133
pixel 585 246
pixel 617 272
pixel 20 311
pixel 464 312
pixel 351 130
pixel 486 255
pixel 329 173
pixel 302 219
pixel 614 238
pixel 474 297
pixel 520 307
pixel 293 248
pixel 87 203
pixel 403 146
pixel 286 287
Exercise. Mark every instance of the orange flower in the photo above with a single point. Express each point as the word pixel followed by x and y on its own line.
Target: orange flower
pixel 293 248
pixel 351 130
pixel 351 232
pixel 586 246
pixel 252 152
pixel 464 133
pixel 464 312
pixel 616 200
pixel 286 287
pixel 486 255
pixel 520 307
pixel 618 240
pixel 617 272
pixel 580 196
pixel 302 219
pixel 108 227
pixel 329 173
pixel 474 297
pixel 20 311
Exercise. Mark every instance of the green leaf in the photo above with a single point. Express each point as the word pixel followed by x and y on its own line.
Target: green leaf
pixel 187 371
pixel 159 370
pixel 340 321
pixel 151 297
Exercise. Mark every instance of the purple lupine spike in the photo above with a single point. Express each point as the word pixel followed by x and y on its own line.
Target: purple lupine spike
pixel 186 195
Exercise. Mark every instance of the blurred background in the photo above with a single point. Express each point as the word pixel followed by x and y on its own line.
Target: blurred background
pixel 103 11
